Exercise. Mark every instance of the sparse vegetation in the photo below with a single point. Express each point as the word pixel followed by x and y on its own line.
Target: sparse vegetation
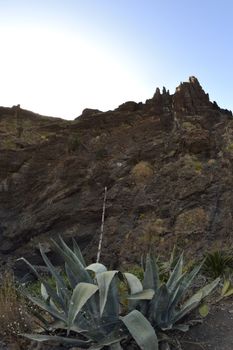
pixel 141 172
pixel 14 315
pixel 218 263
pixel 191 222
pixel 193 163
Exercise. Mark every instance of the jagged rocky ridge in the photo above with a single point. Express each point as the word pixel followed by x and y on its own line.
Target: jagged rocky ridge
pixel 167 164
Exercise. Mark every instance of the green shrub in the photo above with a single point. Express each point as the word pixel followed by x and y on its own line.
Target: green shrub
pixel 218 263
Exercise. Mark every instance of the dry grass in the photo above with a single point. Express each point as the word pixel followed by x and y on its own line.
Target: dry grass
pixel 192 221
pixel 14 315
pixel 142 172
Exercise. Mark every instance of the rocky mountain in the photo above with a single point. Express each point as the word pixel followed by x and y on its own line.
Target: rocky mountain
pixel 167 165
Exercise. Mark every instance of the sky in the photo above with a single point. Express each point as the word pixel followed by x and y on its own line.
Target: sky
pixel 58 57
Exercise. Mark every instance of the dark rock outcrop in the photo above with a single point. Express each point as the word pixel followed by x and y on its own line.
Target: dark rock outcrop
pixel 167 164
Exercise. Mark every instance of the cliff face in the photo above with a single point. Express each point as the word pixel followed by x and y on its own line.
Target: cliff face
pixel 167 164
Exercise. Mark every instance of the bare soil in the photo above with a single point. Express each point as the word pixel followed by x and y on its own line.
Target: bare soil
pixel 216 331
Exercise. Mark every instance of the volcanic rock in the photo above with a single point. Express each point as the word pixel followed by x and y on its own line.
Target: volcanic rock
pixel 167 164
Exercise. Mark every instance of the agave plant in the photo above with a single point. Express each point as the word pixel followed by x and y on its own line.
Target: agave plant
pixel 84 306
pixel 166 306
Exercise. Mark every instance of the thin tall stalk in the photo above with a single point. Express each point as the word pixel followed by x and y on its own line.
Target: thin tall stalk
pixel 102 226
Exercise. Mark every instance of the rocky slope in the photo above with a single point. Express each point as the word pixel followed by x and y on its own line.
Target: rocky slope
pixel 167 164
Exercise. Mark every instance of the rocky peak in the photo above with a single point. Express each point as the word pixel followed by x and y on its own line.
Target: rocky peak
pixel 189 97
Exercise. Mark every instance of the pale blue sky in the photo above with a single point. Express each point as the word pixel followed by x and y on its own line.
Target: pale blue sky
pixel 59 57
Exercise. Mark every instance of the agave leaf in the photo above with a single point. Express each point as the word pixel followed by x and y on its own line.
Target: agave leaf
pixel 175 289
pixel 96 267
pixel 173 256
pixel 81 324
pixel 112 306
pixel 73 262
pixel 151 275
pixel 81 293
pixel 146 294
pixel 63 340
pixel 61 286
pixel 116 346
pixel 57 299
pixel 181 289
pixel 53 305
pixel 31 267
pixel 44 306
pixel 194 301
pixel 185 310
pixel 209 287
pixel 43 322
pixel 160 306
pixel 176 273
pixel 203 292
pixel 134 283
pixel 181 327
pixel 104 280
pixel 50 291
pixel 77 252
pixel 43 292
pixel 112 340
pixel 71 277
pixel 226 285
pixel 141 330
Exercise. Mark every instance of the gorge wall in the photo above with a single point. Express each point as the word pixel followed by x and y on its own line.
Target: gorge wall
pixel 167 164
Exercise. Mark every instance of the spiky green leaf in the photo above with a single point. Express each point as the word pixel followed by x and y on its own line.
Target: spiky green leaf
pixel 151 275
pixel 73 262
pixel 134 283
pixel 176 273
pixel 141 330
pixel 104 280
pixel 51 310
pixel 61 286
pixel 146 294
pixel 96 268
pixel 78 252
pixel 82 292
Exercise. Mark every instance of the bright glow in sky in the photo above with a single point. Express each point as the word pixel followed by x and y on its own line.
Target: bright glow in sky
pixel 59 57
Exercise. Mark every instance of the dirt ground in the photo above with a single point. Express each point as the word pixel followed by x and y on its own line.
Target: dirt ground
pixel 216 331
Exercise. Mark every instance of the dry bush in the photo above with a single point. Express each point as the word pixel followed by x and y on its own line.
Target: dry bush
pixel 151 233
pixel 192 221
pixel 14 315
pixel 141 172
